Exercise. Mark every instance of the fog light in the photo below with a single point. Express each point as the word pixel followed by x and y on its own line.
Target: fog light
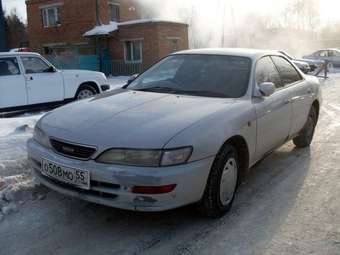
pixel 153 189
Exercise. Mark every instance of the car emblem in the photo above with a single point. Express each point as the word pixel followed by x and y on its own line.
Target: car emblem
pixel 68 149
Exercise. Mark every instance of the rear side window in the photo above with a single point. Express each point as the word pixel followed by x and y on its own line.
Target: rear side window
pixel 9 66
pixel 287 72
pixel 267 72
pixel 34 65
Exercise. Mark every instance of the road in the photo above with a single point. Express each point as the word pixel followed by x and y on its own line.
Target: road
pixel 290 204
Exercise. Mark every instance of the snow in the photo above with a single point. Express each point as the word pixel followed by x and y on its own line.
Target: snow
pixel 15 176
pixel 102 29
pixel 106 29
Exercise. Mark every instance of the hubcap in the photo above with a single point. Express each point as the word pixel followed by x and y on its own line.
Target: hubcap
pixel 228 181
pixel 85 93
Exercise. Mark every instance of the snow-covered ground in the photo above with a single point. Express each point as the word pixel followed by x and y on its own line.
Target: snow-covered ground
pixel 289 205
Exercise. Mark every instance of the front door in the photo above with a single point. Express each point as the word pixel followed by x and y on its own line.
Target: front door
pixel 274 113
pixel 42 86
pixel 12 84
pixel 302 94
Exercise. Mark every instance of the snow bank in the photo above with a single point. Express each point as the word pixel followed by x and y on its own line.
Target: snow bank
pixel 17 125
pixel 16 183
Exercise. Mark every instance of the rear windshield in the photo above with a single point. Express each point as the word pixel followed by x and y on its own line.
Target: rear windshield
pixel 200 75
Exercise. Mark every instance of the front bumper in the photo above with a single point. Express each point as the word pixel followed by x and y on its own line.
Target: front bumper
pixel 111 184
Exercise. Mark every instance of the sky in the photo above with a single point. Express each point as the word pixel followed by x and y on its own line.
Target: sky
pixel 329 9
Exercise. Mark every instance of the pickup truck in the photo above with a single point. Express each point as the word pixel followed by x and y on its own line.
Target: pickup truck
pixel 27 81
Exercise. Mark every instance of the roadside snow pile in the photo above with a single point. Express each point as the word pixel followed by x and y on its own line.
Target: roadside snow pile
pixel 24 123
pixel 16 183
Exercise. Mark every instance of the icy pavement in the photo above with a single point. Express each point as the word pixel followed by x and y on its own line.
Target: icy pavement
pixel 289 204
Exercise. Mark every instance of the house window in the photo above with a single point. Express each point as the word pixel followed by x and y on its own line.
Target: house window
pixel 174 44
pixel 51 16
pixel 133 51
pixel 114 11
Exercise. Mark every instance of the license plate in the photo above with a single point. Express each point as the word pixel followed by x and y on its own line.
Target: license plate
pixel 75 177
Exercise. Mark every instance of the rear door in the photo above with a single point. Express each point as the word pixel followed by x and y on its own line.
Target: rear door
pixel 42 86
pixel 12 83
pixel 301 93
pixel 274 113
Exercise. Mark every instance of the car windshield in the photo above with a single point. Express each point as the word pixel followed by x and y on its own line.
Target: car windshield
pixel 199 75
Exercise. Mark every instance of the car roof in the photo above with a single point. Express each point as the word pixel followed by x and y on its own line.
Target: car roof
pixel 328 49
pixel 14 54
pixel 241 52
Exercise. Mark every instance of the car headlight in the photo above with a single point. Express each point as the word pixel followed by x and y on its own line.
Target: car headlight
pixel 147 158
pixel 40 137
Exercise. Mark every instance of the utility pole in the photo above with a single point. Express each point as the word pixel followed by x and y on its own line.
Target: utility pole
pixel 2 30
pixel 99 22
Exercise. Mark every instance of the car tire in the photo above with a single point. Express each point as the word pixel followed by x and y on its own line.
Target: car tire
pixel 85 91
pixel 305 137
pixel 218 196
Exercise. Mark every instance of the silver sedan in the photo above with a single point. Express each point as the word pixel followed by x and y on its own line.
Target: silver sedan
pixel 185 131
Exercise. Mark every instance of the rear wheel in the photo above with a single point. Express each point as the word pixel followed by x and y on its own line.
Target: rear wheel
pixel 304 139
pixel 85 92
pixel 222 183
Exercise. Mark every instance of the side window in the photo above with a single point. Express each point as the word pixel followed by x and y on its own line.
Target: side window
pixel 34 65
pixel 323 53
pixel 287 72
pixel 267 72
pixel 9 66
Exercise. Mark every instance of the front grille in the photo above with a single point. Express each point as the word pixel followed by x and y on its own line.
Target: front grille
pixel 72 150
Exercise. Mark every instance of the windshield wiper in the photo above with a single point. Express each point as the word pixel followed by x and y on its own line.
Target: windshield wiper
pixel 159 89
pixel 205 93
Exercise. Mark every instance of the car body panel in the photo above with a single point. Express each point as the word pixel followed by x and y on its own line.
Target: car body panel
pixel 136 119
pixel 47 87
pixel 192 175
pixel 150 120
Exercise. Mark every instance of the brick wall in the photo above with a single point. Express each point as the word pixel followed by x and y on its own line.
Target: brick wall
pixel 76 17
pixel 74 22
pixel 156 37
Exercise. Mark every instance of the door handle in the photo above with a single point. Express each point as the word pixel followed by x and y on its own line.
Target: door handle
pixel 30 78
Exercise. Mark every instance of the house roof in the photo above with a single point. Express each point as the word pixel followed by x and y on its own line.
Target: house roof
pixel 113 26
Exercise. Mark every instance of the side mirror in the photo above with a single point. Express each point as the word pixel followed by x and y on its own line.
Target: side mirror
pixel 51 69
pixel 267 88
pixel 130 80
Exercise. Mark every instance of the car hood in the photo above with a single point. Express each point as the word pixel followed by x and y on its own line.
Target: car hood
pixel 75 71
pixel 129 119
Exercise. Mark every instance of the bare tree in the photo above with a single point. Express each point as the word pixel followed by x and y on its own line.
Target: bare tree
pixel 16 31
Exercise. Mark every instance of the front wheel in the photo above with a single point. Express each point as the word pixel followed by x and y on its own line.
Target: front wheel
pixel 85 92
pixel 222 183
pixel 304 139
